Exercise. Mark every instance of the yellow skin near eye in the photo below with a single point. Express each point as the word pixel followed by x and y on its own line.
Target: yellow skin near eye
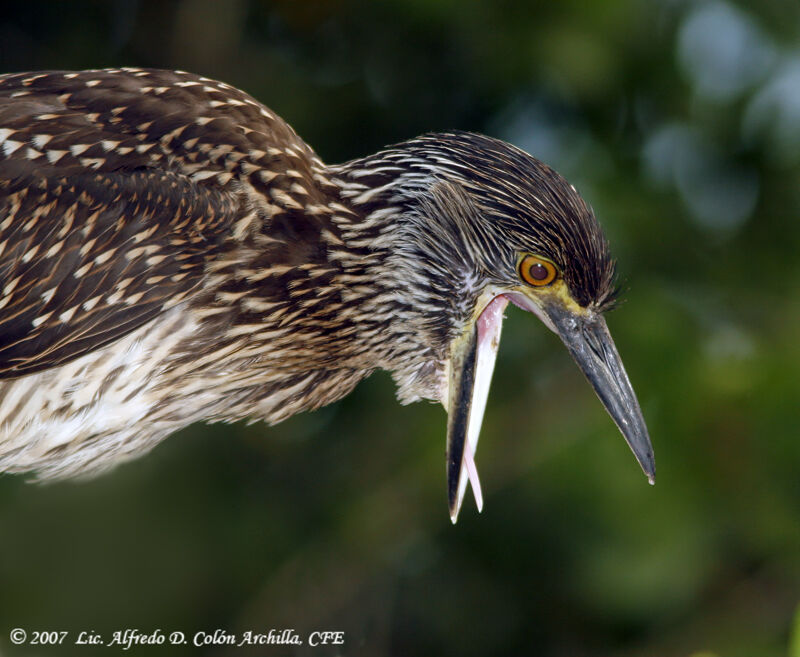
pixel 537 271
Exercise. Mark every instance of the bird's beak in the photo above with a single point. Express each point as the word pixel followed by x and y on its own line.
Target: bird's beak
pixel 472 357
pixel 586 336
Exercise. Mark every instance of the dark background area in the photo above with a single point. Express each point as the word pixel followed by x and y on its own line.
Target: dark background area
pixel 680 123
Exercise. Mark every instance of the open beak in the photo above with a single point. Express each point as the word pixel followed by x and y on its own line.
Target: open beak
pixel 472 358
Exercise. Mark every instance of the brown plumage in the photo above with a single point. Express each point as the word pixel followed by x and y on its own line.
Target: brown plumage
pixel 171 251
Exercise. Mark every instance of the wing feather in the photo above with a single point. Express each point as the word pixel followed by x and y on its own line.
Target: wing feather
pixel 99 230
pixel 66 299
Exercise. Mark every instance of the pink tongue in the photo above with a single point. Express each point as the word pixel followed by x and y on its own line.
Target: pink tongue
pixel 491 316
pixel 489 324
pixel 472 474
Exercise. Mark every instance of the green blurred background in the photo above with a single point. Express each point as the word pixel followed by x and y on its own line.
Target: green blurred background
pixel 680 123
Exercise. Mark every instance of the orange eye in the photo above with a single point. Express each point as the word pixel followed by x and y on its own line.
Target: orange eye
pixel 537 271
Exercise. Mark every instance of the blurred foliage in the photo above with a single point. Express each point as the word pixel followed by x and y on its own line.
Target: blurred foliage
pixel 680 122
pixel 794 644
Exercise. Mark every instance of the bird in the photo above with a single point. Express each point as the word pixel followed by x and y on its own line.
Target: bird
pixel 171 251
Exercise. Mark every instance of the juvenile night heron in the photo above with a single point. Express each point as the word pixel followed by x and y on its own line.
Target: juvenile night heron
pixel 171 251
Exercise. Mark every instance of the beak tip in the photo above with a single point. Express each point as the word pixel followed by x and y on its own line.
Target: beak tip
pixel 649 469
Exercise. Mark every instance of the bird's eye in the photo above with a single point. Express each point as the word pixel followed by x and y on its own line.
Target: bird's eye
pixel 537 271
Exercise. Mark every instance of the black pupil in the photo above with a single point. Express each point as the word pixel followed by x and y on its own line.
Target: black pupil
pixel 538 272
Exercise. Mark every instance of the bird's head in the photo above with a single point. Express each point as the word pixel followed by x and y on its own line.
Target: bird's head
pixel 483 223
